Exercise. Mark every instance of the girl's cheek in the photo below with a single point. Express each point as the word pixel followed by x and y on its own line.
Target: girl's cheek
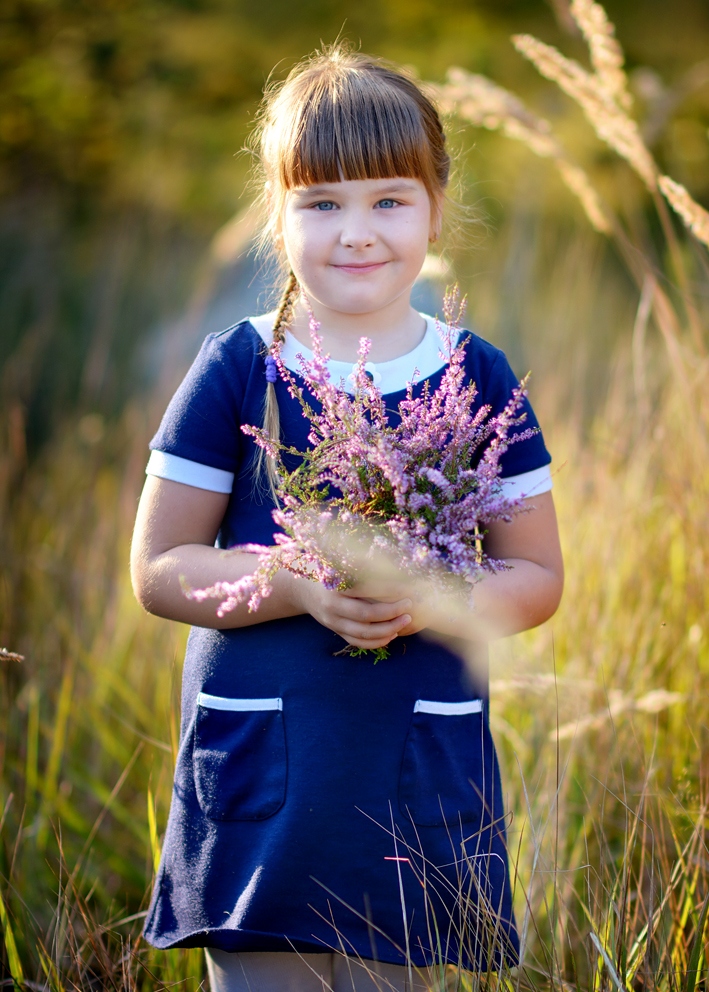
pixel 292 241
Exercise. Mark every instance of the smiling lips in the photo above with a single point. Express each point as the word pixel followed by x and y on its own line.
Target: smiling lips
pixel 360 267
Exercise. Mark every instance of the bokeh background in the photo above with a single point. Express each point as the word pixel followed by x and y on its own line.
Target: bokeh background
pixel 125 237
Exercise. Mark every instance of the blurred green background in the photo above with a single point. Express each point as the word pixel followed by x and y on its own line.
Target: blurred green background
pixel 122 128
pixel 121 134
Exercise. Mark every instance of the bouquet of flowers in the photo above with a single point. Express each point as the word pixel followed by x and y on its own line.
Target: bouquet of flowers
pixel 419 493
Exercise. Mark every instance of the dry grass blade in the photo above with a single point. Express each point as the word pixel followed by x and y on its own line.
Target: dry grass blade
pixel 606 54
pixel 487 105
pixel 652 702
pixel 609 121
pixel 695 217
pixel 6 655
pixel 578 182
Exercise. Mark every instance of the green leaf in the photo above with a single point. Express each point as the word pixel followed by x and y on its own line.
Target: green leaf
pixel 696 952
pixel 13 958
pixel 610 967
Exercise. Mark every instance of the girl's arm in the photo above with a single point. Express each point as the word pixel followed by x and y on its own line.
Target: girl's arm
pixel 530 591
pixel 506 602
pixel 174 538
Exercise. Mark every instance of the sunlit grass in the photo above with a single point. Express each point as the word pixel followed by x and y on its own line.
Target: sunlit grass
pixel 601 714
pixel 92 717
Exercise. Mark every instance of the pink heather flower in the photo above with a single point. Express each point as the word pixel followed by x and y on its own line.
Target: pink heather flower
pixel 410 490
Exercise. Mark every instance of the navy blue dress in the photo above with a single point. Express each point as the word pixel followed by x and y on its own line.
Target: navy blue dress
pixel 322 801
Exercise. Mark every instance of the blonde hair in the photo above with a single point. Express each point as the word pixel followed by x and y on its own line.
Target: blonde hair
pixel 341 115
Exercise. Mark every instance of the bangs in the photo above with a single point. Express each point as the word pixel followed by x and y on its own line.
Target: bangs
pixel 351 129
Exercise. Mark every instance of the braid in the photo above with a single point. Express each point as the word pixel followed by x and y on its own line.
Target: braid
pixel 271 416
pixel 285 310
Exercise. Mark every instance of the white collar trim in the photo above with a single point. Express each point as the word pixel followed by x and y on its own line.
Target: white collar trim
pixel 389 377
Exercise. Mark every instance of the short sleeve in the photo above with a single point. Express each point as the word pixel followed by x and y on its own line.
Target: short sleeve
pixel 524 456
pixel 198 441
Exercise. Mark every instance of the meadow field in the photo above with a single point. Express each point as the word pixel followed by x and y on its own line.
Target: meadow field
pixel 593 280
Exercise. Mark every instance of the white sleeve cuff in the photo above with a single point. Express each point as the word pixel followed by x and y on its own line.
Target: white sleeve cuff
pixel 532 483
pixel 176 469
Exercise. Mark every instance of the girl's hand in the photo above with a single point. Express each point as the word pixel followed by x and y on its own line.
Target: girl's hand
pixel 365 622
pixel 418 595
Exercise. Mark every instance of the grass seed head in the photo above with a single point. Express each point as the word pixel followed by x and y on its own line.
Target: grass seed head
pixel 694 216
pixel 578 182
pixel 607 56
pixel 610 122
pixel 485 104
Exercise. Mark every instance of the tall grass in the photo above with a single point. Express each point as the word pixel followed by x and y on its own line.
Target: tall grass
pixel 599 716
pixel 91 718
pixel 603 713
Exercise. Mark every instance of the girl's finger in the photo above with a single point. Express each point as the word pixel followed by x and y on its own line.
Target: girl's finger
pixel 362 611
pixel 377 591
pixel 372 632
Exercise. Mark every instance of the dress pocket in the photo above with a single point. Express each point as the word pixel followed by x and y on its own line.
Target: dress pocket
pixel 443 769
pixel 240 763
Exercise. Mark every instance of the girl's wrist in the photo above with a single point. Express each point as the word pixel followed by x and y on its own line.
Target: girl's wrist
pixel 292 589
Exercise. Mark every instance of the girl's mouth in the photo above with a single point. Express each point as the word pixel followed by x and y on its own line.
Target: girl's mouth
pixel 360 268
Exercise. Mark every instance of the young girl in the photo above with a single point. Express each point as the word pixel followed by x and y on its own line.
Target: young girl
pixel 334 824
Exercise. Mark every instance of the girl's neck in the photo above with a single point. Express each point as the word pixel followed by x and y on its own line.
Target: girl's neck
pixel 394 330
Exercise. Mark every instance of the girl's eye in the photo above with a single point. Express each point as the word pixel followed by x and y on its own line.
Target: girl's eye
pixel 387 204
pixel 324 205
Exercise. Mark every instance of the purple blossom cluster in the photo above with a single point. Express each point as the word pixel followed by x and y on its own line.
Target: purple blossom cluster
pixel 422 491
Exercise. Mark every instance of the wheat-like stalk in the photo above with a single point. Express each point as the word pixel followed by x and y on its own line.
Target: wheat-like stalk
pixel 694 216
pixel 488 105
pixel 578 182
pixel 610 121
pixel 607 56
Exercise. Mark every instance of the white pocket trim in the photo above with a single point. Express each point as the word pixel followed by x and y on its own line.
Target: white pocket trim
pixel 237 705
pixel 448 709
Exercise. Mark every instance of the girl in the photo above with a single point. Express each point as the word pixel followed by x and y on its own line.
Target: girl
pixel 334 824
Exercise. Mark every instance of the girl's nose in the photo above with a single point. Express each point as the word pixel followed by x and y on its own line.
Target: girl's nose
pixel 356 231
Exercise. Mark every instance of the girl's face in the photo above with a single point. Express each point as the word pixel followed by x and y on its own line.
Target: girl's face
pixel 357 246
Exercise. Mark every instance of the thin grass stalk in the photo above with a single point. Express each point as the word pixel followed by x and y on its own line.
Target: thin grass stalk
pixel 155 847
pixel 104 810
pixel 51 775
pixel 13 958
pixel 49 968
pixel 32 759
pixel 605 958
pixel 680 272
pixel 697 953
